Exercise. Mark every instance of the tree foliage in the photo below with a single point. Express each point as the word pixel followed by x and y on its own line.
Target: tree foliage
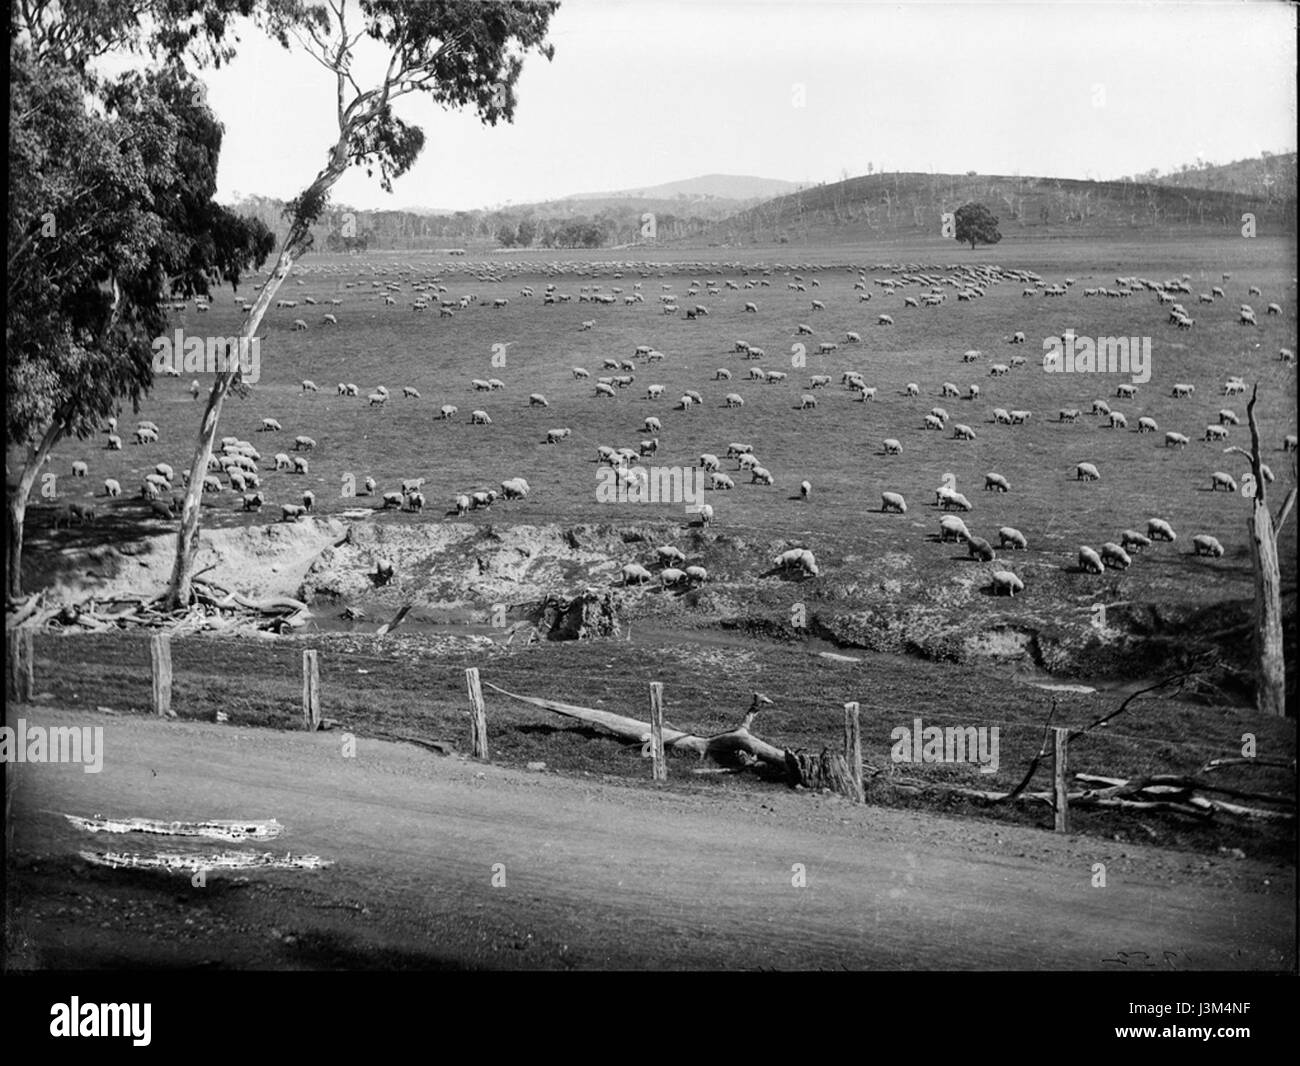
pixel 976 224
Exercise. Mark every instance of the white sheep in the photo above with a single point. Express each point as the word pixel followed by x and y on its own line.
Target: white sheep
pixel 1216 432
pixel 1069 414
pixel 1002 416
pixel 1006 581
pixel 1090 561
pixel 515 488
pixel 447 410
pixel 893 446
pixel 952 528
pixel 912 389
pixel 962 432
pixel 1086 472
pixel 635 573
pixel 112 487
pixel 760 476
pixel 997 483
pixel 1147 424
pixel 998 370
pixel 1204 544
pixel 1131 538
pixel 669 554
pixel 1221 480
pixel 377 399
pixel 1126 392
pixel 697 574
pixel 734 399
pixel 653 392
pixel 1118 421
pixel 806 401
pixel 893 501
pixel 1175 440
pixel 299 465
pixel 1115 557
pixel 706 513
pixel 949 389
pixel 973 393
pixel 1228 417
pixel 479 418
pixel 721 481
pixel 1159 529
pixel 1009 535
pixel 1182 390
pixel 933 422
pixel 579 372
pixel 722 374
pixel 1100 407
pixel 949 499
pixel 710 462
pixel 885 320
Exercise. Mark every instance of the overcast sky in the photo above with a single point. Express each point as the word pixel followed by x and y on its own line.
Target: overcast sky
pixel 647 91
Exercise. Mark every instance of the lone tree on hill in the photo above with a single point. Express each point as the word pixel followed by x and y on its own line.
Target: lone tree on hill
pixel 976 224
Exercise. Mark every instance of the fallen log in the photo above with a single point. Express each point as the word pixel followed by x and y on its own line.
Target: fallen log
pixel 22 610
pixel 735 747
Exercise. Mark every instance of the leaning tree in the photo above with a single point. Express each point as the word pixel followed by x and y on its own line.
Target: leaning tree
pixel 976 224
pixel 460 53
pixel 110 211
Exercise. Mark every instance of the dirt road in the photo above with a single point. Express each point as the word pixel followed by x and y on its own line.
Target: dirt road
pixel 439 862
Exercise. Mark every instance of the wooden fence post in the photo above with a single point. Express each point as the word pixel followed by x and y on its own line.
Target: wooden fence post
pixel 21 666
pixel 478 742
pixel 160 654
pixel 1060 792
pixel 853 749
pixel 658 764
pixel 310 691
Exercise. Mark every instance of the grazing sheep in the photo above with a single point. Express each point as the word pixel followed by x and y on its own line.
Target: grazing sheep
pixel 237 481
pixel 1159 529
pixel 949 389
pixel 604 389
pixel 1009 535
pixel 409 393
pixel 979 548
pixel 710 462
pixel 579 372
pixel 670 575
pixel 1274 309
pixel 864 393
pixel 299 465
pixel 962 432
pixel 1019 418
pixel 461 504
pixel 309 500
pixel 948 499
pixel 852 338
pixel 391 501
pixel 211 484
pixel 1090 561
pixel 885 320
pixel 802 329
pixel 112 487
pixel 1204 544
pixel 654 392
pixel 635 573
pixel 1086 472
pixel 1069 414
pixel 282 461
pixel 761 476
pixel 722 374
pixel 80 469
pixel 721 481
pixel 998 370
pixel 893 446
pixel 996 482
pixel 706 514
pixel 1228 417
pixel 931 422
pixel 652 425
pixel 668 554
pixel 1115 557
pixel 515 488
pixel 973 393
pixel 1002 416
pixel 1147 424
pixel 1006 581
pixel 806 401
pixel 952 528
pixel 1018 337
pixel 1175 440
pixel 1247 317
pixel 1285 355
pixel 1118 421
pixel 270 425
pixel 1182 391
pixel 1234 387
pixel 649 447
pixel 805 490
pixel 446 411
pixel 309 386
pixel 819 381
pixel 143 435
pixel 1289 442
pixel 734 399
pixel 479 418
pixel 554 436
pixel 1126 392
pixel 537 400
pixel 697 574
pixel 1131 538
pixel 912 389
pixel 252 502
pixel 893 501
pixel 412 484
pixel 1101 407
pixel 1216 432
pixel 298 325
pixel 1221 480
pixel 368 486
pixel 734 449
pixel 377 399
pixel 303 444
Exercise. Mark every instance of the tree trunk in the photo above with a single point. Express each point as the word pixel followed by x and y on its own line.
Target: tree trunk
pixel 18 505
pixel 187 540
pixel 1270 664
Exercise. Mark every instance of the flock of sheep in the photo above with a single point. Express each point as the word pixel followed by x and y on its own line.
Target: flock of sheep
pixel 918 286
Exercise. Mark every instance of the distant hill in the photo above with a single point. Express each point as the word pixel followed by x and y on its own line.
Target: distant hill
pixel 705 187
pixel 1269 176
pixel 887 205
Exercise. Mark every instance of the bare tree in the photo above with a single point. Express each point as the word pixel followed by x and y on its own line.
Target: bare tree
pixel 1270 664
pixel 459 52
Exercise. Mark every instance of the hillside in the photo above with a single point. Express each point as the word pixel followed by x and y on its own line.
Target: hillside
pixel 1270 176
pixel 705 187
pixel 907 205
